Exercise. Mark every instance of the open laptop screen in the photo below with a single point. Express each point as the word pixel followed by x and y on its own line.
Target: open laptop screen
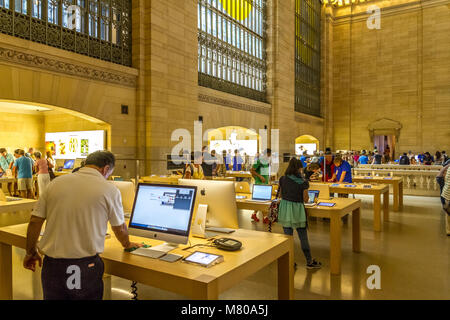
pixel 262 192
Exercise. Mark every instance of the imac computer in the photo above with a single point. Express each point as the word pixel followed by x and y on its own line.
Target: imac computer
pixel 69 164
pixel 127 191
pixel 78 162
pixel 220 197
pixel 163 212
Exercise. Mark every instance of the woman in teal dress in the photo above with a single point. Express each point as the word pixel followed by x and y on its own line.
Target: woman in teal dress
pixel 292 214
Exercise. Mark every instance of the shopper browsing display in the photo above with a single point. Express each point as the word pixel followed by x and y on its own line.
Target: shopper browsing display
pixel 261 173
pixel 23 166
pixel 77 208
pixel 41 168
pixel 343 171
pixel 292 214
pixel 195 170
pixel 6 163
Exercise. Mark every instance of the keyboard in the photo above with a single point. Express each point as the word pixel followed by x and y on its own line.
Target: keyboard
pixel 220 230
pixel 149 253
pixel 10 199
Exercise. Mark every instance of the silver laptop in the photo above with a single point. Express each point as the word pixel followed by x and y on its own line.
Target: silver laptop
pixel 261 193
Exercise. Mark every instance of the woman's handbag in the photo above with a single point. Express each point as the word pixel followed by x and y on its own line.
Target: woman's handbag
pixel 273 210
pixel 50 172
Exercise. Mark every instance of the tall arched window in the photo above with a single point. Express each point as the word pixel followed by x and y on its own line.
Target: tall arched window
pixel 96 28
pixel 307 56
pixel 231 46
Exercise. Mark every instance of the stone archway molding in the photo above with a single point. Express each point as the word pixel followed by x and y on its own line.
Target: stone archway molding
pixel 385 127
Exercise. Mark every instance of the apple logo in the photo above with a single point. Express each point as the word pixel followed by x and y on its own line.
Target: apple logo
pixel 203 192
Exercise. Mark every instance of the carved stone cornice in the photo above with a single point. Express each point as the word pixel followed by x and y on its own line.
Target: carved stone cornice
pixel 233 104
pixel 64 67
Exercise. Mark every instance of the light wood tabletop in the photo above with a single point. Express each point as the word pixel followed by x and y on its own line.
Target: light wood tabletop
pixel 195 282
pixel 342 208
pixel 17 205
pixel 7 180
pixel 172 180
pixel 240 174
pixel 397 186
pixel 248 204
pixel 375 190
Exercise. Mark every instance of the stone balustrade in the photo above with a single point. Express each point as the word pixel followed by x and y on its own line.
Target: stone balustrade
pixel 415 182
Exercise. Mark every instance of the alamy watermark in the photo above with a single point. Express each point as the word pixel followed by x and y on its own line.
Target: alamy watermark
pixel 374 280
pixel 181 152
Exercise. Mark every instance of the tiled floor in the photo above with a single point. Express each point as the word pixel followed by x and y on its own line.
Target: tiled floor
pixel 413 253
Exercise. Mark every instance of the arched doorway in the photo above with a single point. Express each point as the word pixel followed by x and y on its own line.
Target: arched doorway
pixel 233 138
pixel 66 133
pixel 306 143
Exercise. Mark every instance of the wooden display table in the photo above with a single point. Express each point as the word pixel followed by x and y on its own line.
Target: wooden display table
pixel 61 173
pixel 342 208
pixel 245 204
pixel 7 180
pixel 259 250
pixel 240 174
pixel 17 205
pixel 231 179
pixel 172 180
pixel 376 191
pixel 397 186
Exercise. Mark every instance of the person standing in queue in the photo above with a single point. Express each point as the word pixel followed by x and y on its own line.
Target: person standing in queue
pixel 261 173
pixel 292 213
pixel 24 167
pixel 77 208
pixel 207 163
pixel 6 163
pixel 195 170
pixel 43 177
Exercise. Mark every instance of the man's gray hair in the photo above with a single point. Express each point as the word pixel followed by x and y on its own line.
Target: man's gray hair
pixel 101 159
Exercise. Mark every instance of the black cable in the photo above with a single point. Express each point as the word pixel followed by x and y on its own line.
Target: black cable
pixel 134 290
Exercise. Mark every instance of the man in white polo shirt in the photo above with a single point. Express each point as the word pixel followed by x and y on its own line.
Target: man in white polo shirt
pixel 77 208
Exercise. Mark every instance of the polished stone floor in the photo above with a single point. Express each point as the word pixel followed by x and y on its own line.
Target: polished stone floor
pixel 413 253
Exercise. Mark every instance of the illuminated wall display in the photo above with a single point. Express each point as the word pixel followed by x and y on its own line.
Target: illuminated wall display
pixel 74 145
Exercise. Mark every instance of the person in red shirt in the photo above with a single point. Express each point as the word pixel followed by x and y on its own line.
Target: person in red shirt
pixel 328 168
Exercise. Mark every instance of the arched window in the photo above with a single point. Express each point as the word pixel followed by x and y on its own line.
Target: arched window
pixel 231 51
pixel 307 57
pixel 96 28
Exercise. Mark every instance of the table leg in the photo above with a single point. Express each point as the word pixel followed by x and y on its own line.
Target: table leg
pixel 386 206
pixel 356 229
pixel 286 275
pixel 396 196
pixel 206 291
pixel 401 195
pixel 377 212
pixel 335 244
pixel 6 285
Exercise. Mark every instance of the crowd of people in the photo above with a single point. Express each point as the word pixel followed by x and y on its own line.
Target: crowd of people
pixel 23 166
pixel 95 199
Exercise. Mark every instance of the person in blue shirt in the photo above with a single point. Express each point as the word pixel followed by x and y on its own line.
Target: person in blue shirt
pixel 363 159
pixel 24 168
pixel 342 171
pixel 6 163
pixel 237 161
pixel 303 159
pixel 420 157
